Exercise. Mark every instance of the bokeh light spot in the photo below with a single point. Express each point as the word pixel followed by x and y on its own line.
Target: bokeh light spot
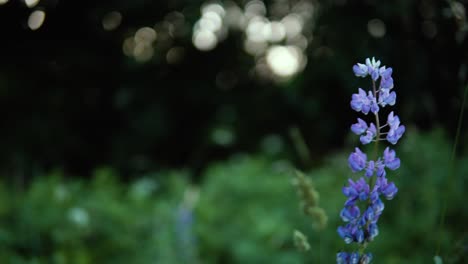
pixel 36 19
pixel 175 55
pixel 204 40
pixel 376 28
pixel 143 52
pixel 214 8
pixel 284 61
pixel 146 35
pixel 31 3
pixel 111 20
pixel 293 24
pixel 222 136
pixel 255 8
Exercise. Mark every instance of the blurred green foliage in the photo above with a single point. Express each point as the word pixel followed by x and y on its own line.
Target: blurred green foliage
pixel 244 211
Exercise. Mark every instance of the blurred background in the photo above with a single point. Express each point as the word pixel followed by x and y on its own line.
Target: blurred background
pixel 166 131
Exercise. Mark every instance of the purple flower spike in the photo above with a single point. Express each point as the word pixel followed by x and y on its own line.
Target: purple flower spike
pixel 363 206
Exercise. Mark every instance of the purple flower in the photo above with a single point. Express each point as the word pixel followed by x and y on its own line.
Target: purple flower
pixel 357 160
pixel 390 159
pixel 381 169
pixel 373 231
pixel 386 97
pixel 386 81
pixel 396 131
pixel 373 68
pixel 346 232
pixel 388 190
pixel 371 132
pixel 360 127
pixel 395 134
pixel 385 72
pixel 393 120
pixel 374 107
pixel 358 190
pixel 350 213
pixel 378 206
pixel 342 258
pixel 368 216
pixel 354 258
pixel 360 102
pixel 360 70
pixel 370 168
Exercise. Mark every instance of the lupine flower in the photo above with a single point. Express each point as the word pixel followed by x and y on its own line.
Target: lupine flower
pixel 386 98
pixel 370 168
pixel 393 121
pixel 350 213
pixel 386 80
pixel 387 189
pixel 353 258
pixel 381 169
pixel 357 160
pixel 356 190
pixel 360 70
pixel 364 205
pixel 360 127
pixel 371 132
pixel 360 102
pixel 373 68
pixel 395 134
pixel 342 258
pixel 390 159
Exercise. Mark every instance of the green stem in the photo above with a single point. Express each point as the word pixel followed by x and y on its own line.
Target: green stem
pixel 377 123
pixel 376 155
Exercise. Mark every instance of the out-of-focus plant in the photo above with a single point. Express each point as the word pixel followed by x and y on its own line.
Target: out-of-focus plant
pixel 244 213
pixel 310 206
